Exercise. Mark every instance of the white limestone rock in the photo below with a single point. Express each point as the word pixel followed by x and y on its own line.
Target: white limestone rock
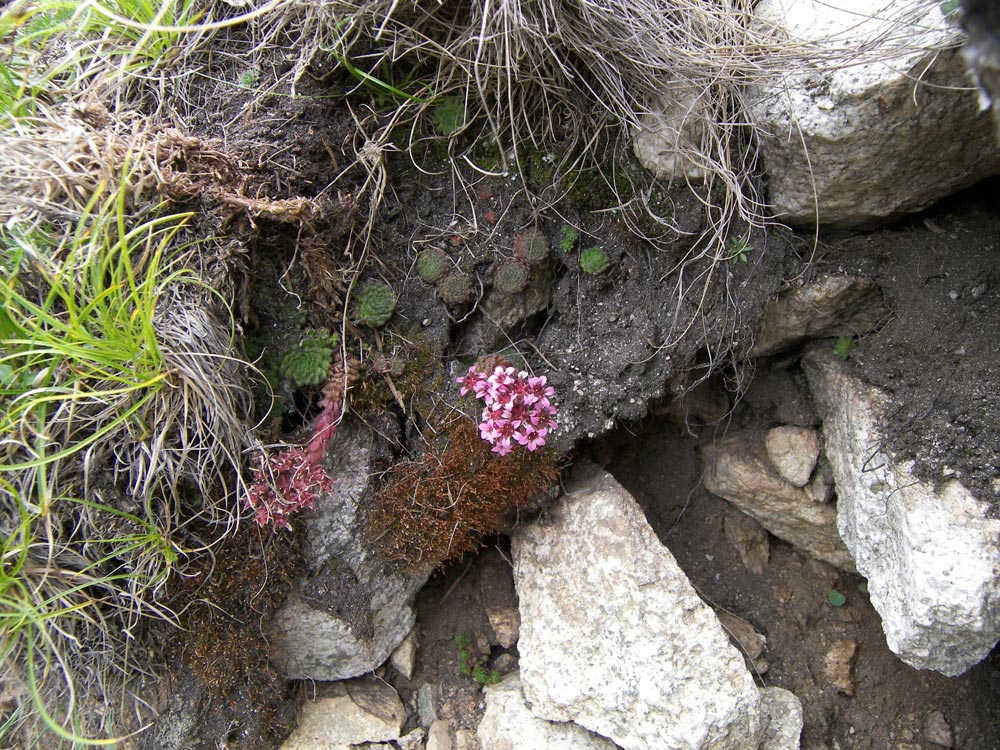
pixel 614 637
pixel 783 719
pixel 930 556
pixel 677 127
pixel 347 713
pixel 739 470
pixel 404 657
pixel 793 451
pixel 872 111
pixel 348 615
pixel 508 724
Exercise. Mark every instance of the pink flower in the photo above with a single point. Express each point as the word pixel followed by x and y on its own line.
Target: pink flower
pixel 516 407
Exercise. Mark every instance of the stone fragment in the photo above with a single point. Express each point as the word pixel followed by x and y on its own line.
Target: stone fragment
pixel 704 404
pixel 821 487
pixel 427 699
pixel 749 538
pixel 830 306
pixel 793 451
pixel 466 739
pixel 982 53
pixel 783 718
pixel 938 730
pixel 892 132
pixel 673 131
pixel 496 589
pixel 738 469
pixel 404 657
pixel 508 724
pixel 745 637
pixel 347 713
pixel 439 736
pixel 348 616
pixel 614 637
pixel 504 314
pixel 412 740
pixel 838 666
pixel 929 554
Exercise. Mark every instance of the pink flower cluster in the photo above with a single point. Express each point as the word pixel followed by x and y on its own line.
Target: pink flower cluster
pixel 517 407
pixel 283 483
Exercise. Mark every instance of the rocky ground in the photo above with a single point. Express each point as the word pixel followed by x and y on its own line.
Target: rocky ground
pixel 621 348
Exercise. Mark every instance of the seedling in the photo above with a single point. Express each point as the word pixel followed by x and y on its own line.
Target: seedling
pixel 836 599
pixel 250 78
pixel 739 251
pixel 844 346
pixel 472 665
pixel 568 237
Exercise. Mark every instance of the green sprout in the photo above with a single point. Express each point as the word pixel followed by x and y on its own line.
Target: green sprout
pixel 471 665
pixel 568 237
pixel 739 251
pixel 250 78
pixel 432 264
pixel 308 363
pixel 836 599
pixel 531 246
pixel 844 346
pixel 455 288
pixel 511 277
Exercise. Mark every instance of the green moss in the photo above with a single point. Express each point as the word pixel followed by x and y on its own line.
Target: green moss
pixel 449 115
pixel 511 277
pixel 432 264
pixel 375 303
pixel 594 261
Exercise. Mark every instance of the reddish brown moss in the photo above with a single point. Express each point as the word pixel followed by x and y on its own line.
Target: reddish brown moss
pixel 439 506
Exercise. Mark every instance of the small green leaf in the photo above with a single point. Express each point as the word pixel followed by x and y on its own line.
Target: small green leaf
pixel 836 599
pixel 949 8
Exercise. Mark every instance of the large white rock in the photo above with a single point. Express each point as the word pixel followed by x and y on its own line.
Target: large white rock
pixel 508 724
pixel 342 714
pixel 931 557
pixel 870 118
pixel 348 615
pixel 614 637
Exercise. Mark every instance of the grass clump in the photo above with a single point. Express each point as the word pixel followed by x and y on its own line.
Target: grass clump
pixel 120 391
